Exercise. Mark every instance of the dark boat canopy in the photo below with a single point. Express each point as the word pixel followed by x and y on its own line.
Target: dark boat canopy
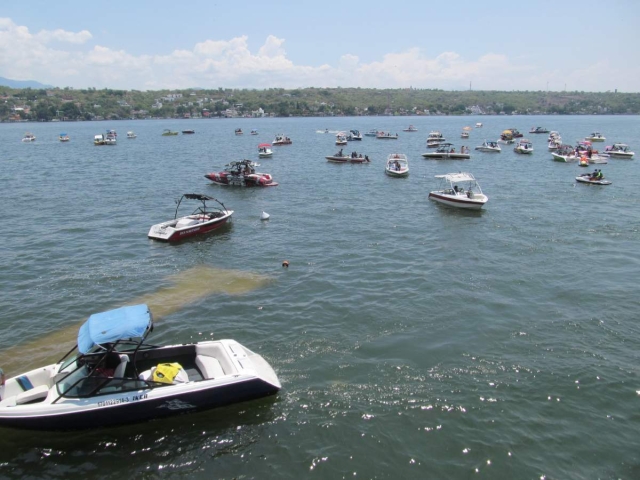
pixel 197 196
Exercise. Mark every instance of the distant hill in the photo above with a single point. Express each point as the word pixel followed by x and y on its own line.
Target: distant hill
pixel 7 82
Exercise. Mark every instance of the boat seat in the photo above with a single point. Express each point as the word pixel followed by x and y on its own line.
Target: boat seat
pixel 36 394
pixel 119 370
pixel 181 377
pixel 209 367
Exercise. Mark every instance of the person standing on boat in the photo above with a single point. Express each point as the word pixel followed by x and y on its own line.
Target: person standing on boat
pixel 2 379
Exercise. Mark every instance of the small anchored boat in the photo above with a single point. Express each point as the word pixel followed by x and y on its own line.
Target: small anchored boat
pixel 460 190
pixel 264 150
pixel 524 147
pixel 203 220
pixel 29 137
pixel 446 151
pixel 281 140
pixel 353 157
pixel 489 147
pixel 397 165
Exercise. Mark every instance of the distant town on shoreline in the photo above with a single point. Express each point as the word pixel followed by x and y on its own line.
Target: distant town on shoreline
pixel 68 104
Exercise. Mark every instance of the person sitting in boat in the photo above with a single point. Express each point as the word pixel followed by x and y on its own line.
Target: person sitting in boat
pixel 600 175
pixel 366 158
pixel 456 189
pixel 397 165
pixel 453 150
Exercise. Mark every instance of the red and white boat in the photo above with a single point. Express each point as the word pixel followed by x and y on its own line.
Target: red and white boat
pixel 203 220
pixel 242 174
pixel 264 150
pixel 460 190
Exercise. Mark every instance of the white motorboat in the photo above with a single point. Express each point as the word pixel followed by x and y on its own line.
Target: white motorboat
pixel 565 154
pixel 29 137
pixel 436 136
pixel 354 135
pixel 478 125
pixel 397 165
pixel 595 178
pixel 619 150
pixel 523 146
pixel 204 219
pixel 446 151
pixel 464 135
pixel 131 134
pixel 410 128
pixel 538 130
pixel 488 146
pixel 372 133
pixel 353 157
pixel 460 190
pixel 341 138
pixel 64 137
pixel 596 137
pixel 264 150
pixel 281 140
pixel 105 139
pixel 554 144
pixel 386 136
pixel 112 377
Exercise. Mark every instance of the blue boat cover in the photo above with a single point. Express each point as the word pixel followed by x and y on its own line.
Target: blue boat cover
pixel 114 325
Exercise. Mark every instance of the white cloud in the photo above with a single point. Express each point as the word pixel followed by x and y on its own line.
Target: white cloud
pixel 45 57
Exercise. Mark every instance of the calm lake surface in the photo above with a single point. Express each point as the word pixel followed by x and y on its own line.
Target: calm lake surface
pixel 412 340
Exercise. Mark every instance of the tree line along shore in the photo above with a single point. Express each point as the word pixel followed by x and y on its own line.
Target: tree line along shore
pixel 68 104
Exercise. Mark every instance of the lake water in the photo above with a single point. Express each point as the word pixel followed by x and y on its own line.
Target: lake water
pixel 412 340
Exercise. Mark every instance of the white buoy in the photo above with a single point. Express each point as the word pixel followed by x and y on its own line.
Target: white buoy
pixel 264 216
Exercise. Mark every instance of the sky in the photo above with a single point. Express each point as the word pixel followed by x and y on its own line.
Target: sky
pixel 483 45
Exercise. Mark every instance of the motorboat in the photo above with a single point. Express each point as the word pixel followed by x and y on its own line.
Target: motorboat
pixel 29 137
pixel 478 125
pixel 341 138
pixel 446 151
pixel 64 137
pixel 104 139
pixel 372 133
pixel 554 144
pixel 523 146
pixel 538 130
pixel 264 150
pixel 203 220
pixel 515 133
pixel 110 138
pixel 98 139
pixel 131 135
pixel 490 147
pixel 565 153
pixel 353 157
pixel 397 165
pixel 595 178
pixel 460 190
pixel 113 377
pixel 596 137
pixel 354 135
pixel 464 135
pixel 386 136
pixel 112 132
pixel 434 143
pixel 238 131
pixel 168 133
pixel 619 150
pixel 435 137
pixel 506 137
pixel 188 132
pixel 281 140
pixel 241 173
pixel 410 128
pixel 254 132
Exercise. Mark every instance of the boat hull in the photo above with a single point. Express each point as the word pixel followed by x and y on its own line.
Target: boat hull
pixel 585 179
pixel 335 159
pixel 251 180
pixel 397 173
pixel 447 156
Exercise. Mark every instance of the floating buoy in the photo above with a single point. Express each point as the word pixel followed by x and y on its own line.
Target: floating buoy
pixel 285 263
pixel 264 216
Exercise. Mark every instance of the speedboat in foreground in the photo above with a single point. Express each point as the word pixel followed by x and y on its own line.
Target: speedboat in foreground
pixel 29 137
pixel 112 377
pixel 264 150
pixel 488 146
pixel 353 157
pixel 446 151
pixel 460 190
pixel 397 165
pixel 592 179
pixel 203 220
pixel 524 147
pixel 619 150
pixel 242 174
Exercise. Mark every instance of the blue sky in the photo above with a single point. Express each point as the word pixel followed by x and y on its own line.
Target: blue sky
pixel 149 45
